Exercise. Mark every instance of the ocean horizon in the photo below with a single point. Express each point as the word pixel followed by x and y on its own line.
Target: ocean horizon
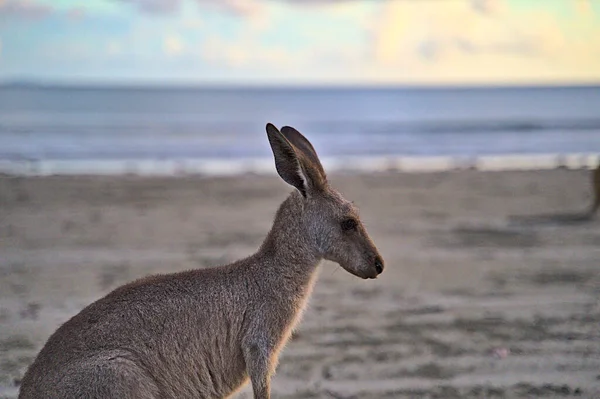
pixel 49 127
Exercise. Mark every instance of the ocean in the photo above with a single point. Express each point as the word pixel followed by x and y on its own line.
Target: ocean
pixel 111 128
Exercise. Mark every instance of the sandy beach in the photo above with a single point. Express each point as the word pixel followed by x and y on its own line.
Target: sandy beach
pixel 492 284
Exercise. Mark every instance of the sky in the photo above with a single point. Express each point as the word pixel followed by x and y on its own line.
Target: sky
pixel 296 42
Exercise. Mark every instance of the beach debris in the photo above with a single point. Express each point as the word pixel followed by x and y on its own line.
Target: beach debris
pixel 500 353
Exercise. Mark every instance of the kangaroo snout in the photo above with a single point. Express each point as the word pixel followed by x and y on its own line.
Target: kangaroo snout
pixel 379 264
pixel 376 267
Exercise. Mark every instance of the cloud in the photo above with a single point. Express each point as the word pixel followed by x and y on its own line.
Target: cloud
pixel 325 58
pixel 315 40
pixel 284 37
pixel 483 41
pixel 30 10
pixel 76 14
pixel 237 7
pixel 192 22
pixel 440 31
pixel 429 49
pixel 240 54
pixel 172 45
pixel 114 48
pixel 156 6
pixel 24 9
pixel 487 7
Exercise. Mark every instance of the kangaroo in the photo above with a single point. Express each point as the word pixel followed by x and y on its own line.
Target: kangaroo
pixel 596 190
pixel 205 333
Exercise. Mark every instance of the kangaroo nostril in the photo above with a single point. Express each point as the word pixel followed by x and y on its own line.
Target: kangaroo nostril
pixel 378 265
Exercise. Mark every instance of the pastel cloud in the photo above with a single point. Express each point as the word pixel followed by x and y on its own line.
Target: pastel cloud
pixel 237 7
pixel 173 45
pixel 281 35
pixel 114 48
pixel 494 40
pixel 329 41
pixel 156 6
pixel 76 13
pixel 24 9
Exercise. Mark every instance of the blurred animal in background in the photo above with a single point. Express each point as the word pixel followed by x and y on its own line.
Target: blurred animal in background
pixel 596 188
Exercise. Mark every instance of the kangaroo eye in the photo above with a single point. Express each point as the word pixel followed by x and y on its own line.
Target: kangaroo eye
pixel 349 224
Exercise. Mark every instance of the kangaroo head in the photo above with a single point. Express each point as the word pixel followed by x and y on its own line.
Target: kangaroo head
pixel 329 223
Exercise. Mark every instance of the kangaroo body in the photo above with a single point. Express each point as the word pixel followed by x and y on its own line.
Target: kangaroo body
pixel 205 333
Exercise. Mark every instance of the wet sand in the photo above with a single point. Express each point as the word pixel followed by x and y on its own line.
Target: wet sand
pixel 491 289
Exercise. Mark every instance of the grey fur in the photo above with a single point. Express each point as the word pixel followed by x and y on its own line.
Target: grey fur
pixel 596 190
pixel 205 333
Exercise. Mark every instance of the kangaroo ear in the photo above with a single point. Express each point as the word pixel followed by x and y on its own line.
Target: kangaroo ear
pixel 307 149
pixel 294 167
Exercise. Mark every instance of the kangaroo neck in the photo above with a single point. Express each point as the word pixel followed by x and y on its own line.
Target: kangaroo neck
pixel 287 249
